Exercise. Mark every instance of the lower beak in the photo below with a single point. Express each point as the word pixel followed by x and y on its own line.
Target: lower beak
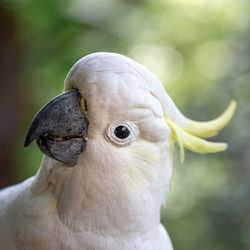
pixel 60 128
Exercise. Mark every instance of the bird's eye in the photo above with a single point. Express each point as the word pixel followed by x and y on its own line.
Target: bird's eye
pixel 122 132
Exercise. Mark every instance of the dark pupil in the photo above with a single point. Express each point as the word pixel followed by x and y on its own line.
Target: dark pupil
pixel 122 132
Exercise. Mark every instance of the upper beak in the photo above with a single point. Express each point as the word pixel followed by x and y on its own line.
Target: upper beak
pixel 60 128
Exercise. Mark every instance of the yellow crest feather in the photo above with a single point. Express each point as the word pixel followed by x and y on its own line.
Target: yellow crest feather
pixel 210 128
pixel 187 137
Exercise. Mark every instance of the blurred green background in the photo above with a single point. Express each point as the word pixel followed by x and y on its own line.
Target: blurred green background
pixel 200 50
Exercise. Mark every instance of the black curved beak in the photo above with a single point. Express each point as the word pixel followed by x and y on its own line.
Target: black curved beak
pixel 60 128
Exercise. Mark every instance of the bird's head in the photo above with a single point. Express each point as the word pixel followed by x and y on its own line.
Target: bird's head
pixel 116 117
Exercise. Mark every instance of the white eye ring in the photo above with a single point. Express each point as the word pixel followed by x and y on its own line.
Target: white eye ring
pixel 132 136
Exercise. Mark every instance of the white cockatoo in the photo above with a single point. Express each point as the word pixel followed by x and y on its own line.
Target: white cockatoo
pixel 108 162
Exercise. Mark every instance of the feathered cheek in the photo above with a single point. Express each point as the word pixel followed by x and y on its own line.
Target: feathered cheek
pixel 142 165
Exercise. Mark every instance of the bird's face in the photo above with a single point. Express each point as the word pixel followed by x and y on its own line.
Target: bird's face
pixel 106 119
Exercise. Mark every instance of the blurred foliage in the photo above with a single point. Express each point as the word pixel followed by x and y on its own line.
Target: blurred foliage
pixel 200 50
